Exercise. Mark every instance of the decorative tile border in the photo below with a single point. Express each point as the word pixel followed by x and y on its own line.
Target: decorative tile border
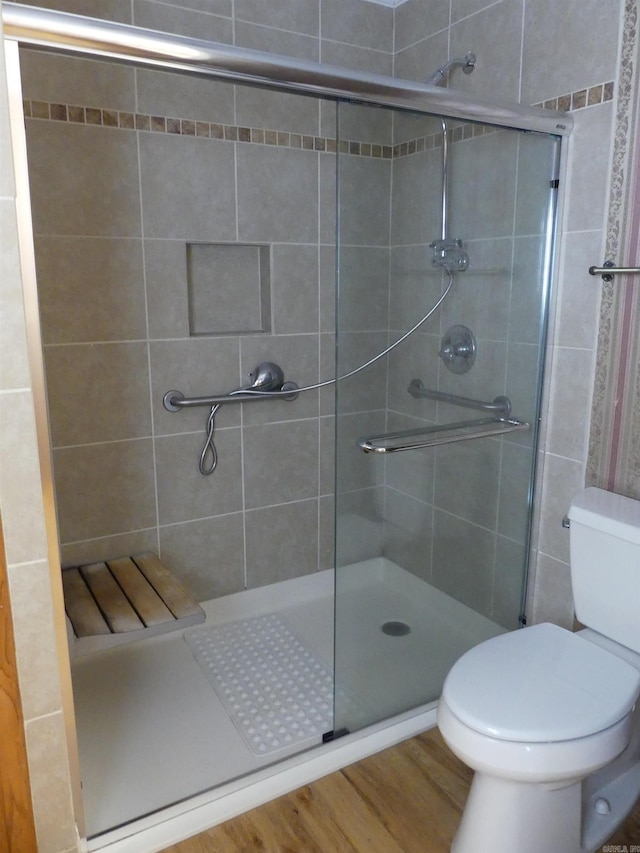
pixel 590 97
pixel 96 116
pixel 203 129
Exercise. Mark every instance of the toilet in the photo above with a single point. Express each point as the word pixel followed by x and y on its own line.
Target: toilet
pixel 548 719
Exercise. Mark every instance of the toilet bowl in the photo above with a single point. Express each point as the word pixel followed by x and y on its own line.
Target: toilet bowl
pixel 523 711
pixel 548 719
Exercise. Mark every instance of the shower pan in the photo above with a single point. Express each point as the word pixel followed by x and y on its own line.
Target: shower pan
pixel 362 536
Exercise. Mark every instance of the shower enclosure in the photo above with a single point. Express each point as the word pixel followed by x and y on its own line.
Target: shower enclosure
pixel 187 229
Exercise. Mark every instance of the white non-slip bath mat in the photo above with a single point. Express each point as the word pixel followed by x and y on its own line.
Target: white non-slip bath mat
pixel 276 691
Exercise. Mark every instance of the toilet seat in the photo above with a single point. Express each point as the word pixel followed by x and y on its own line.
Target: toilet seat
pixel 541 684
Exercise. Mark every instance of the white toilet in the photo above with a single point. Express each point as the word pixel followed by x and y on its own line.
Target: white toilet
pixel 550 720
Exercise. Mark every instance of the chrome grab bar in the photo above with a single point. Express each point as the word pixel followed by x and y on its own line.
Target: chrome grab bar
pixel 175 401
pixel 609 269
pixel 267 383
pixel 501 405
pixel 394 442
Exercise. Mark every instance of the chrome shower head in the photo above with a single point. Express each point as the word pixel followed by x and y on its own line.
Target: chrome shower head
pixel 267 376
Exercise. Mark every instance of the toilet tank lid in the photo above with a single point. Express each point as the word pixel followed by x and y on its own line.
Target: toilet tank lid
pixel 610 513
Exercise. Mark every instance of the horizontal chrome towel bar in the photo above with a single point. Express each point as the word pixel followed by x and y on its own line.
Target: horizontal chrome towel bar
pixel 415 439
pixel 608 270
pixel 500 405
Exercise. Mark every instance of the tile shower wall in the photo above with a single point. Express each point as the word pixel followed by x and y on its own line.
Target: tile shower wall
pixel 560 49
pixel 128 169
pixel 563 55
pixel 465 504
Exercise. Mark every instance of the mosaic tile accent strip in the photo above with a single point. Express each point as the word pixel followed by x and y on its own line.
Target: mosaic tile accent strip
pixel 573 101
pixel 77 114
pixel 204 129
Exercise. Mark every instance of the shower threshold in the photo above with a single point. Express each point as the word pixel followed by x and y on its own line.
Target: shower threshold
pixel 152 731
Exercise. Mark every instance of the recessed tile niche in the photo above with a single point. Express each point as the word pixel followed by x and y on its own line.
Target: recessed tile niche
pixel 229 288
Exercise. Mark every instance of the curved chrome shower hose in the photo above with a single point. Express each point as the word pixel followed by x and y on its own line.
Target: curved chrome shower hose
pixel 209 446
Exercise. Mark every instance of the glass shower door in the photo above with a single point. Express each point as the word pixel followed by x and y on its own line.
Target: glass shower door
pixel 432 538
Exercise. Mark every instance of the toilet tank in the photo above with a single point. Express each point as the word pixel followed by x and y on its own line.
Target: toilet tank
pixel 605 564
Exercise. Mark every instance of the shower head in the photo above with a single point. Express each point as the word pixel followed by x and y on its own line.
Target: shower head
pixel 267 376
pixel 467 63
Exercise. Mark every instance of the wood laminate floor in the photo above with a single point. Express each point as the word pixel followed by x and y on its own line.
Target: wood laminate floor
pixel 406 799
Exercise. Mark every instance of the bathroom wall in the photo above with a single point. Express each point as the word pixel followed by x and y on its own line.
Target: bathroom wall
pixel 201 168
pixel 41 680
pixel 565 56
pixel 545 50
pixel 614 443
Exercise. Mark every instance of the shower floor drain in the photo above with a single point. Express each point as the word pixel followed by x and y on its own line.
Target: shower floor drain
pixel 396 629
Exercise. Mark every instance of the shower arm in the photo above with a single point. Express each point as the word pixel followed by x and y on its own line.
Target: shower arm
pixel 467 63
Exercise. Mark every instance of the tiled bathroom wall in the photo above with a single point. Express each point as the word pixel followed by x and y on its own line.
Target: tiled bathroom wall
pixel 541 52
pixel 535 51
pixel 21 506
pixel 132 174
pixel 465 505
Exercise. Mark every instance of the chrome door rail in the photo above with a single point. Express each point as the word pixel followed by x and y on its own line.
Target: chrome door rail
pixel 45 29
pixel 608 270
pixel 415 439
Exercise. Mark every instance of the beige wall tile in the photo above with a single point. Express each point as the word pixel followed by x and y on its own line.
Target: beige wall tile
pixel 207 555
pixel 84 180
pixel 568 47
pixel 49 775
pixel 70 80
pixel 355 23
pixel 109 10
pixel 299 16
pixel 280 462
pixel 187 187
pixel 175 18
pixel 282 542
pixel 183 492
pixel 33 628
pixel 14 369
pixel 412 24
pixel 552 600
pixel 497 72
pixel 464 472
pixel 90 289
pixel 7 183
pixel 458 545
pixel 98 392
pixel 409 534
pixel 109 547
pixel 161 93
pixel 277 195
pixel 20 484
pixel 104 489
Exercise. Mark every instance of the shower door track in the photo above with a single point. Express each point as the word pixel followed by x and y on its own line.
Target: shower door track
pixel 49 30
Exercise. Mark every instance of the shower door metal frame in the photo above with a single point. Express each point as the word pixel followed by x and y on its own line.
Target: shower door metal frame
pixel 75 35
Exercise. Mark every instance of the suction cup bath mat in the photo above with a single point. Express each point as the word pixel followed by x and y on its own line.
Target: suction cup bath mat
pixel 277 693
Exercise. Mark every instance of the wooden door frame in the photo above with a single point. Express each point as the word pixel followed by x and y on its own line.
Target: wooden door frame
pixel 17 830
